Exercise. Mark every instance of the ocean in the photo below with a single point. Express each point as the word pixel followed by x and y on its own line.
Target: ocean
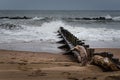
pixel 42 25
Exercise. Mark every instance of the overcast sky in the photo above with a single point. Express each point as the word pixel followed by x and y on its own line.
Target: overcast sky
pixel 60 4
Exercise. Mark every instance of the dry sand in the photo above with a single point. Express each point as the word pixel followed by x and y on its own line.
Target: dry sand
pixel 21 65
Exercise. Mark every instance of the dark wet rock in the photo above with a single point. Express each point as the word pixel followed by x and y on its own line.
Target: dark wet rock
pixel 17 17
pixel 9 26
pixel 86 18
pixel 77 18
pixel 4 17
pixel 99 18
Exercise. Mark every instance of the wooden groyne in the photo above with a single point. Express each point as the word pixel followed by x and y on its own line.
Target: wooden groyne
pixel 83 53
pixel 70 41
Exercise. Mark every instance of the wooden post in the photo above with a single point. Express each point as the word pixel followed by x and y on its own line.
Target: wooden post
pixel 81 43
pixel 90 53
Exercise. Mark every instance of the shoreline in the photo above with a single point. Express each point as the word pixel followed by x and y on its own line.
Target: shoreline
pixel 45 46
pixel 52 47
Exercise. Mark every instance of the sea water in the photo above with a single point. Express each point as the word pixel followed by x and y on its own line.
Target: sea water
pixel 43 25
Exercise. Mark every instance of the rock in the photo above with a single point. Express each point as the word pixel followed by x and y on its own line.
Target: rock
pixel 17 17
pixel 4 17
pixel 77 18
pixel 86 18
pixel 99 18
pixel 105 63
pixel 83 54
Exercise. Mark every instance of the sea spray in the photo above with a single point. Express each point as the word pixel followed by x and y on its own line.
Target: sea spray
pixel 48 31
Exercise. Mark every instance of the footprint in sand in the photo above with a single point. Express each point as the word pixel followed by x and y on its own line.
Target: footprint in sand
pixel 66 73
pixel 116 77
pixel 90 78
pixel 73 78
pixel 37 73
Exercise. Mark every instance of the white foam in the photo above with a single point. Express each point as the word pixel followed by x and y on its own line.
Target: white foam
pixel 48 32
pixel 116 18
pixel 37 18
pixel 108 17
pixel 96 34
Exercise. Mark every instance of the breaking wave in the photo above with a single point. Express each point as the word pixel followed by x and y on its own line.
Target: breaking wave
pixel 37 18
pixel 116 18
pixel 46 19
pixel 48 32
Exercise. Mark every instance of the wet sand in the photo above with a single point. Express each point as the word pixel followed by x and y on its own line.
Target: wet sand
pixel 34 46
pixel 22 65
pixel 51 46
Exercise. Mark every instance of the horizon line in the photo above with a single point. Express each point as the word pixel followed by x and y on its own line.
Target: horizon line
pixel 57 10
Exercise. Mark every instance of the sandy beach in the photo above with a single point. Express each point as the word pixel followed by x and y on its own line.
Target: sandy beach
pixel 23 65
pixel 34 35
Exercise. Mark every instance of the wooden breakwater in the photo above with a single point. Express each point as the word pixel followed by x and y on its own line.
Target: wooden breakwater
pixel 70 41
